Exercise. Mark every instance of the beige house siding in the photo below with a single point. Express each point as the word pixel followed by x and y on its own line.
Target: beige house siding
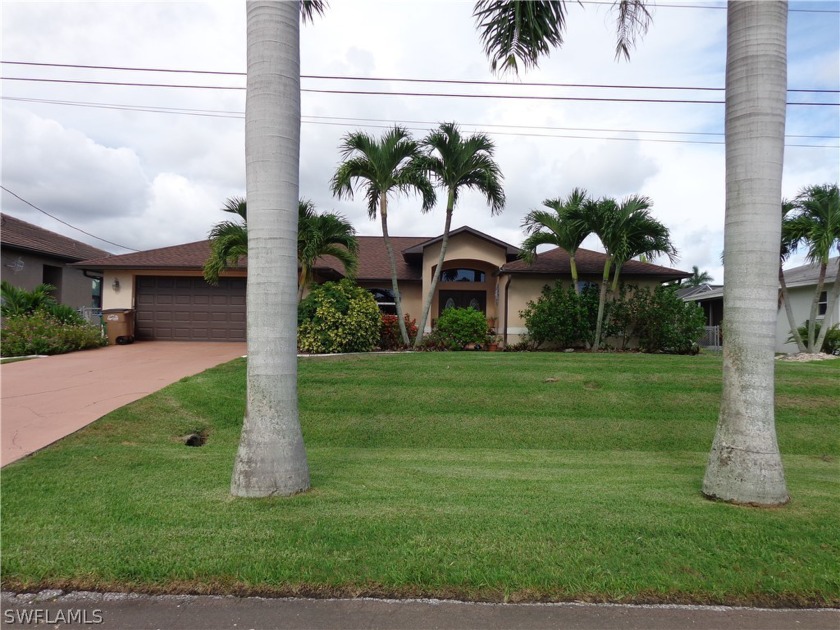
pixel 463 251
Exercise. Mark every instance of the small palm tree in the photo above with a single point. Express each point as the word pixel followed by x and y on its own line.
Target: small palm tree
pixel 565 225
pixel 455 163
pixel 228 241
pixel 788 247
pixel 697 278
pixel 383 167
pixel 326 234
pixel 625 230
pixel 816 226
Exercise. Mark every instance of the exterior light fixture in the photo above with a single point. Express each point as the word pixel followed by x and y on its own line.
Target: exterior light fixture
pixel 116 284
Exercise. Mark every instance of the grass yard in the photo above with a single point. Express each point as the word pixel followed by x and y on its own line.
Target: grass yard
pixel 486 476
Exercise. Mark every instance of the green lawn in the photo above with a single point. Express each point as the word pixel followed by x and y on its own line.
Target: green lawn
pixel 489 476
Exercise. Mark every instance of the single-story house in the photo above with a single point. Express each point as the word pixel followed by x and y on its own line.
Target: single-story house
pixel 32 255
pixel 172 301
pixel 801 283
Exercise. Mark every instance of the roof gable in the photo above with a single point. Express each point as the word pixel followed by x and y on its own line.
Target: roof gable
pixel 17 234
pixel 510 250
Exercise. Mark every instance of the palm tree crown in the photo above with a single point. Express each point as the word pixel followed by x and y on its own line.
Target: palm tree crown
pixel 565 224
pixel 382 167
pixel 326 234
pixel 515 32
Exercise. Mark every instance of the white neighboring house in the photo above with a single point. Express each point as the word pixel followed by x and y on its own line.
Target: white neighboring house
pixel 801 283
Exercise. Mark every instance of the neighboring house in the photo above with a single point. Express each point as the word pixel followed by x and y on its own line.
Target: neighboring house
pixel 32 255
pixel 801 283
pixel 172 301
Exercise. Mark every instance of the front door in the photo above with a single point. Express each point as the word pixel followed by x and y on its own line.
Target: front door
pixel 462 299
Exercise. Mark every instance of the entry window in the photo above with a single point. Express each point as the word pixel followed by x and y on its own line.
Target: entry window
pixel 822 305
pixel 462 275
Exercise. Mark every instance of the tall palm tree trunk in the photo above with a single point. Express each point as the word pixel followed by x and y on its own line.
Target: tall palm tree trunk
pixel 830 308
pixel 573 265
pixel 271 459
pixel 602 301
pixel 427 306
pixel 812 320
pixel 744 464
pixel 383 215
pixel 302 280
pixel 789 311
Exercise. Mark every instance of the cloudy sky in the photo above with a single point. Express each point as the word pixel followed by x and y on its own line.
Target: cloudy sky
pixel 148 167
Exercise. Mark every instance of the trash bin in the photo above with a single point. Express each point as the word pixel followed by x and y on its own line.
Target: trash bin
pixel 119 325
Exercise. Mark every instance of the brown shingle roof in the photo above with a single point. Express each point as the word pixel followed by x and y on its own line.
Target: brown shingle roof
pixel 373 258
pixel 18 234
pixel 373 261
pixel 556 261
pixel 190 256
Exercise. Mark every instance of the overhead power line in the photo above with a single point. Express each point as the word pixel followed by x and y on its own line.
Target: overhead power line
pixel 52 216
pixel 379 123
pixel 531 97
pixel 406 80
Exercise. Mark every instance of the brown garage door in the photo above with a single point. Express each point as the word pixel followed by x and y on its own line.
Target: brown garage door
pixel 189 309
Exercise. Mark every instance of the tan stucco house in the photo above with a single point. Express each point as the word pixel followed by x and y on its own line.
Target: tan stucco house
pixel 32 255
pixel 172 301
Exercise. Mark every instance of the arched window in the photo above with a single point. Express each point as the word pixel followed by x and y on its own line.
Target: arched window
pixel 462 275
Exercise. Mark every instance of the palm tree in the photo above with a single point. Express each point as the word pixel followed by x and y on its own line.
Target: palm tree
pixel 625 230
pixel 745 465
pixel 271 459
pixel 697 278
pixel 788 246
pixel 454 163
pixel 382 168
pixel 816 225
pixel 756 50
pixel 228 241
pixel 565 227
pixel 326 234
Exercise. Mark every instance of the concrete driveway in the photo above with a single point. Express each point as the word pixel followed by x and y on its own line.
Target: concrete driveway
pixel 43 400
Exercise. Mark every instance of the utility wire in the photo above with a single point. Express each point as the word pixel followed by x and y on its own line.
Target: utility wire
pixel 421 94
pixel 406 80
pixel 367 123
pixel 32 205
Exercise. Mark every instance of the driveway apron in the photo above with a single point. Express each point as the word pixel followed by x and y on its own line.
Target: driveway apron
pixel 43 400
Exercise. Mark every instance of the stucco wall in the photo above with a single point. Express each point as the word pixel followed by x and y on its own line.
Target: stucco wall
pixel 800 301
pixel 27 271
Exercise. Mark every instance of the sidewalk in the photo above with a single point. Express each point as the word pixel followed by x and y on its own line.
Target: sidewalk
pixel 188 612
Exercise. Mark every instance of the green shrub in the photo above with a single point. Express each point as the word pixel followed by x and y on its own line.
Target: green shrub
pixel 41 333
pixel 458 327
pixel 560 317
pixel 338 317
pixel 665 323
pixel 17 301
pixel 390 337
